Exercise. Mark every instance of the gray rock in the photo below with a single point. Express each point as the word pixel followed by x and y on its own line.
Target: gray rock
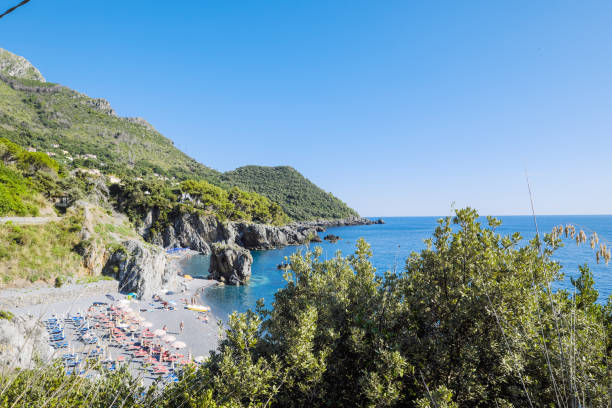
pixel 230 263
pixel 22 342
pixel 16 66
pixel 143 269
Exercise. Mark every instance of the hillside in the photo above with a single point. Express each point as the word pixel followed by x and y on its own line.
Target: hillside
pixel 298 197
pixel 82 132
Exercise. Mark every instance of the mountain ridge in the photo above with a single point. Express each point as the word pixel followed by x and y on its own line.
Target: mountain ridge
pixel 83 132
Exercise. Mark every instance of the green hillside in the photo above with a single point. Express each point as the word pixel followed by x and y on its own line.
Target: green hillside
pixel 82 132
pixel 297 196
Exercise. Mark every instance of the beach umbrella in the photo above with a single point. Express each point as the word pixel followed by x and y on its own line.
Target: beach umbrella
pixel 169 338
pixel 146 324
pixel 199 359
pixel 123 303
pixel 159 333
pixel 179 344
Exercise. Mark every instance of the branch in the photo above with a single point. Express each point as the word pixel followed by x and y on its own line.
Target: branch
pixel 13 8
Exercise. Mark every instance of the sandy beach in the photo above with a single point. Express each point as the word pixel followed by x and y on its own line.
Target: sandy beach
pixel 199 336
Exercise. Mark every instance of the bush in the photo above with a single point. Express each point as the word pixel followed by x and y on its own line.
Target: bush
pixel 5 314
pixel 59 281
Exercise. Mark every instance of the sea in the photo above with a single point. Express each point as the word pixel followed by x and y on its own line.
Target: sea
pixel 391 244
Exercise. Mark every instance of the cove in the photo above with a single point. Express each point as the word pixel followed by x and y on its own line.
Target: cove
pixel 391 244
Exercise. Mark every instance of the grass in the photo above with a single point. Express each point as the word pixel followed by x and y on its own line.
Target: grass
pixel 93 279
pixel 39 252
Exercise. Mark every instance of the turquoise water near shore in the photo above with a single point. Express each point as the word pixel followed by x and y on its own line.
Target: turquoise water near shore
pixel 391 244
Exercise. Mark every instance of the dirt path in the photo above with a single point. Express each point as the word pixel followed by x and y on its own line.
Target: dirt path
pixel 29 220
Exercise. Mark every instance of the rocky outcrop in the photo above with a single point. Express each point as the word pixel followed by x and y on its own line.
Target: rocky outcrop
pixel 23 340
pixel 16 66
pixel 230 263
pixel 201 233
pixel 141 122
pixel 102 105
pixel 142 268
pixel 331 237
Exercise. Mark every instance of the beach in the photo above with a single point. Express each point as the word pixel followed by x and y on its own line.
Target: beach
pixel 199 336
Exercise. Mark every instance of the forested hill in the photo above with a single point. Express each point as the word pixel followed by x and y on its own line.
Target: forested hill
pixel 79 131
pixel 298 196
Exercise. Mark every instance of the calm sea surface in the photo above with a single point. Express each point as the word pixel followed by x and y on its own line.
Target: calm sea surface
pixel 391 244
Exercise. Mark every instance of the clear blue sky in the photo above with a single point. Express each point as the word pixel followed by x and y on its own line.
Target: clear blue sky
pixel 397 107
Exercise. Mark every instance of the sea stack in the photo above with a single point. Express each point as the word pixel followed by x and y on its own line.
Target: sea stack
pixel 230 263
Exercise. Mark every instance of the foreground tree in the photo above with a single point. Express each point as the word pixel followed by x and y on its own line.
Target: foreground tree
pixel 472 321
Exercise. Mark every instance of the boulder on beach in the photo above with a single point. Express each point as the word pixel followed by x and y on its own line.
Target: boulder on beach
pixel 230 263
pixel 23 341
pixel 142 268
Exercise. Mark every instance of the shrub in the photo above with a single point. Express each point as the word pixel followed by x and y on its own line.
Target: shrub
pixel 5 314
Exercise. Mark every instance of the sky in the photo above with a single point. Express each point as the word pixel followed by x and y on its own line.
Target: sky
pixel 400 108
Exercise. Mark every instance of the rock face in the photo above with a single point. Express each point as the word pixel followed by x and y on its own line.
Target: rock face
pixel 21 341
pixel 16 66
pixel 142 269
pixel 230 263
pixel 201 233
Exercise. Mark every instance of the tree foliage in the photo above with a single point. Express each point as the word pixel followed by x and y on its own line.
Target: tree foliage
pixel 471 322
pixel 298 196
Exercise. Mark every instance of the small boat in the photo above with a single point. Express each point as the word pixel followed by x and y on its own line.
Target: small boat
pixel 198 308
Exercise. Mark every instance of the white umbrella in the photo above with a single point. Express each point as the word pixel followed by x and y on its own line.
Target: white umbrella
pixel 199 359
pixel 169 338
pixel 123 303
pixel 179 344
pixel 159 332
pixel 146 324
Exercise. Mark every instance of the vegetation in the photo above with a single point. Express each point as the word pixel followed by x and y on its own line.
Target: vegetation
pixel 83 132
pixel 470 322
pixel 40 252
pixel 6 315
pixel 137 198
pixel 297 196
pixel 24 178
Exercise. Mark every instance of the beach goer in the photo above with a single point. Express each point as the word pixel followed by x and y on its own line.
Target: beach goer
pixel 181 326
pixel 165 328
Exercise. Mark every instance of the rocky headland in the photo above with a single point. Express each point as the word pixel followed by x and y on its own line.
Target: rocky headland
pixel 144 270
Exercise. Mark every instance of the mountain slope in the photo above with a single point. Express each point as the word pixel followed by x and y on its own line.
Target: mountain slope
pixel 14 65
pixel 298 197
pixel 79 131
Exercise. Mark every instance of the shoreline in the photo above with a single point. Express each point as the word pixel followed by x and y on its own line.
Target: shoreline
pixel 200 337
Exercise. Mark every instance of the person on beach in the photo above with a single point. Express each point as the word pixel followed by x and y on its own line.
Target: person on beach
pixel 181 327
pixel 165 328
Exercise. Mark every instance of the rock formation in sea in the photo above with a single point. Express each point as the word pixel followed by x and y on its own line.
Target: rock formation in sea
pixel 230 263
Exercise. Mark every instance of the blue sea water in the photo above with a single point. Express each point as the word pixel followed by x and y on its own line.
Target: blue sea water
pixel 391 244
